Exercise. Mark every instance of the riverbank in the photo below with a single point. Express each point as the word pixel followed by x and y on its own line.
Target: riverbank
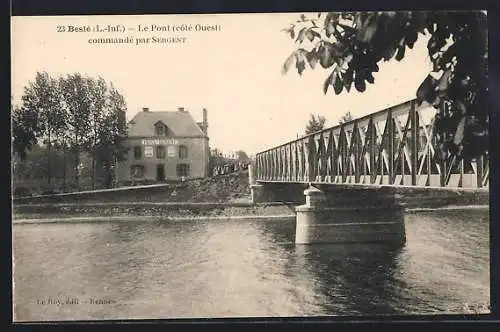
pixel 226 196
pixel 258 213
pixel 146 211
pixel 221 188
pixel 152 210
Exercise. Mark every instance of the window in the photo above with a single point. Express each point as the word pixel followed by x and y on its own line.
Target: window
pixel 160 152
pixel 137 171
pixel 183 151
pixel 171 153
pixel 182 170
pixel 137 152
pixel 161 130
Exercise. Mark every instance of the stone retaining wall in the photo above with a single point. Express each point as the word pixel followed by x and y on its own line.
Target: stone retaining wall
pixel 150 209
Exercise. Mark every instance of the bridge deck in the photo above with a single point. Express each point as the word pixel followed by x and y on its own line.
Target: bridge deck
pixel 375 186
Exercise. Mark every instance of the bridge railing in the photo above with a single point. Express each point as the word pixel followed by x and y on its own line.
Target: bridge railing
pixel 395 146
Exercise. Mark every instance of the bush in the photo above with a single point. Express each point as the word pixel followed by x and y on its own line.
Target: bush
pixel 46 189
pixel 21 192
pixel 49 192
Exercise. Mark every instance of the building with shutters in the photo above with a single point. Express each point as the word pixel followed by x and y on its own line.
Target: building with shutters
pixel 165 146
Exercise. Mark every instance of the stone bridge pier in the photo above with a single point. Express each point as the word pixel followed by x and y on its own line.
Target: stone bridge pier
pixel 350 215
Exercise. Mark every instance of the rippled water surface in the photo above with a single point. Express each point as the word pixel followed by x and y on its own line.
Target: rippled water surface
pixel 234 268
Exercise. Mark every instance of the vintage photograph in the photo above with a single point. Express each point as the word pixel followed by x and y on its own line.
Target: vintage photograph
pixel 250 165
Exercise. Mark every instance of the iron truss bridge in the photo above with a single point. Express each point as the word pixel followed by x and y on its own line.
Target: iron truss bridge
pixel 393 147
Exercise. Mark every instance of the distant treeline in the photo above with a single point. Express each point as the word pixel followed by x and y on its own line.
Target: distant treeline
pixel 65 119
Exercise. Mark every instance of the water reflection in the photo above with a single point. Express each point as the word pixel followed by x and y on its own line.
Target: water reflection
pixel 352 278
pixel 446 261
pixel 346 279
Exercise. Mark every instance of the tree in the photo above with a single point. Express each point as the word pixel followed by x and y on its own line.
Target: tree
pixel 96 98
pixel 23 124
pixel 353 43
pixel 71 113
pixel 316 123
pixel 112 134
pixel 242 156
pixel 75 100
pixel 345 118
pixel 61 144
pixel 40 104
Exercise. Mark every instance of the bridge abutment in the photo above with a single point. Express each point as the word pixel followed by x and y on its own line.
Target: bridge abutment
pixel 350 216
pixel 275 192
pixel 258 193
pixel 278 192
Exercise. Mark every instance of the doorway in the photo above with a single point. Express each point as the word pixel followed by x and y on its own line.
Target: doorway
pixel 160 172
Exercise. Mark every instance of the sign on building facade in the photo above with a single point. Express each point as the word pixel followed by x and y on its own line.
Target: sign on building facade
pixel 148 151
pixel 160 142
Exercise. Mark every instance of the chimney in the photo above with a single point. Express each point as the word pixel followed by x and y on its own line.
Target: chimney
pixel 145 109
pixel 180 109
pixel 205 118
pixel 204 124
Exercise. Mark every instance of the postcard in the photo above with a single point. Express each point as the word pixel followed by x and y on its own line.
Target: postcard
pixel 250 165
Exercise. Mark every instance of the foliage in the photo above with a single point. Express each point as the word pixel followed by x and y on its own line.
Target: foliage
pixel 242 156
pixel 110 146
pixel 353 44
pixel 23 135
pixel 75 102
pixel 316 123
pixel 35 165
pixel 31 173
pixel 114 133
pixel 40 102
pixel 71 113
pixel 346 118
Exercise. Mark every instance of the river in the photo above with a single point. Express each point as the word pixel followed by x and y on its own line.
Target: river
pixel 244 268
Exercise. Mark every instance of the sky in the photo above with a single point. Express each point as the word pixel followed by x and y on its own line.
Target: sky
pixel 233 72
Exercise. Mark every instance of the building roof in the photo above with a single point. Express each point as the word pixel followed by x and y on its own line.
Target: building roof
pixel 179 123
